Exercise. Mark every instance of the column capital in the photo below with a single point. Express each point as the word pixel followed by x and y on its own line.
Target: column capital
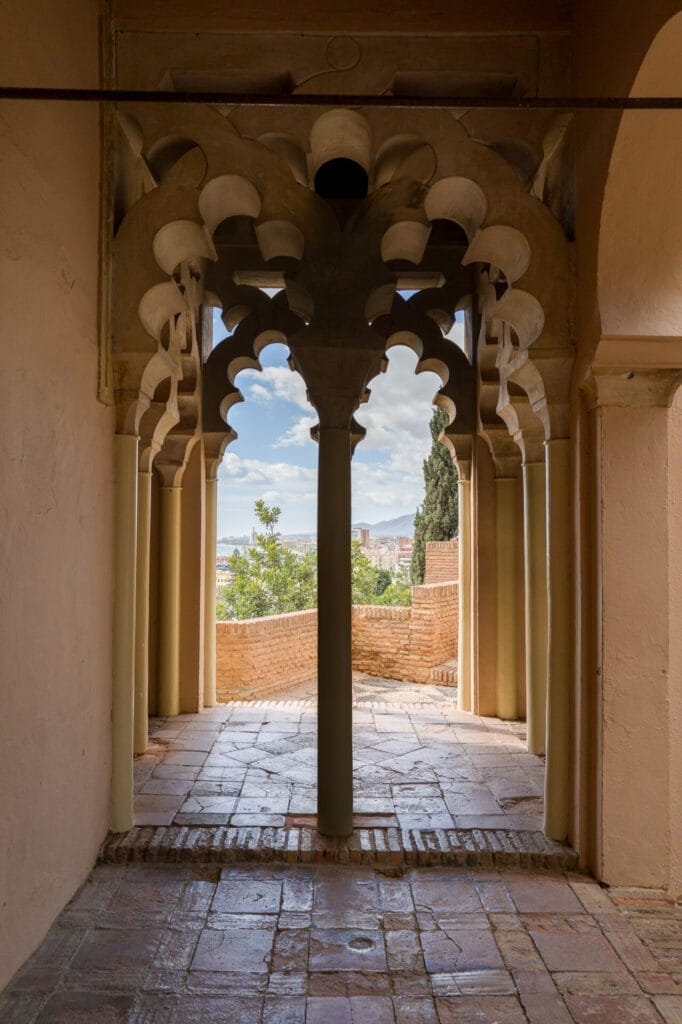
pixel 635 371
pixel 632 388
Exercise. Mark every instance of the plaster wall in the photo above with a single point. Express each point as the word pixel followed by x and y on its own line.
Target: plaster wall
pixel 635 645
pixel 347 16
pixel 56 451
pixel 608 51
pixel 675 639
pixel 640 265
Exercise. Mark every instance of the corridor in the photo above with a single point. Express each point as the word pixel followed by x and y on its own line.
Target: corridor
pixel 316 944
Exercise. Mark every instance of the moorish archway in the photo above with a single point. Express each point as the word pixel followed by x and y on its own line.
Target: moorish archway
pixel 340 215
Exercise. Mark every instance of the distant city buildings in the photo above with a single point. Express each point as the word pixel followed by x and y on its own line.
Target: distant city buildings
pixel 391 553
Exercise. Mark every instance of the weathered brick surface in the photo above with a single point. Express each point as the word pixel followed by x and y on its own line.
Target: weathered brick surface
pixel 442 561
pixel 257 657
pixel 405 643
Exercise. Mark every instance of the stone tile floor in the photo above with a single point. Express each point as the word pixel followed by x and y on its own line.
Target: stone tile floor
pixel 294 944
pixel 419 763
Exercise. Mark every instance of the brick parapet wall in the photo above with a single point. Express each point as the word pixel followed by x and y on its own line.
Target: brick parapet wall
pixel 442 561
pixel 256 657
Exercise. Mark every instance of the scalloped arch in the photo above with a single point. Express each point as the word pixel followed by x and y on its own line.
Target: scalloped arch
pixel 228 195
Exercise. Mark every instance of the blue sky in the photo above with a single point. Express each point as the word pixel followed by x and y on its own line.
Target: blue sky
pixel 274 458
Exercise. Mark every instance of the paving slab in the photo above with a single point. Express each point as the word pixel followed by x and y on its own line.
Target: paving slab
pixel 278 943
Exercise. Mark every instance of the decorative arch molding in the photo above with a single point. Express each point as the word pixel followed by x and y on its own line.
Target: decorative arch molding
pixel 224 176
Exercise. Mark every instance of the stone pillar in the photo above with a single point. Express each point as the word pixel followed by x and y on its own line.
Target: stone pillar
pixel 484 573
pixel 210 542
pixel 638 693
pixel 121 804
pixel 560 634
pixel 535 577
pixel 144 502
pixel 170 513
pixel 335 688
pixel 192 575
pixel 464 648
pixel 507 596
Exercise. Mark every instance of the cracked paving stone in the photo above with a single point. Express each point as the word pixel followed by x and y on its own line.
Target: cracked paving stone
pixel 234 949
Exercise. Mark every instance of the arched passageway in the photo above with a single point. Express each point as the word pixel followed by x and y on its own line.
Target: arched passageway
pixel 450 222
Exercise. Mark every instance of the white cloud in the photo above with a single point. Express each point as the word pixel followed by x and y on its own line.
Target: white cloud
pixel 398 413
pixel 387 466
pixel 273 383
pixel 273 474
pixel 243 481
pixel 297 434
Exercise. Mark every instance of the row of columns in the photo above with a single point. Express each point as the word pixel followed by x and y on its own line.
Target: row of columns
pixel 540 622
pixel 525 546
pixel 141 583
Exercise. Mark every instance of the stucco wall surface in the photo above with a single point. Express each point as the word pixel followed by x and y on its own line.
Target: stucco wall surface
pixel 257 657
pixel 57 476
pixel 635 741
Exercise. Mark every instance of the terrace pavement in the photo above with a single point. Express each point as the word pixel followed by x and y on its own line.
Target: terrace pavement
pixel 419 763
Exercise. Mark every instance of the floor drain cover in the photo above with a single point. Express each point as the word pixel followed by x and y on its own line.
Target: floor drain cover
pixel 360 944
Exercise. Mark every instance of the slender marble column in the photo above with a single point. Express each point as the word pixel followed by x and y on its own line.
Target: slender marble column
pixel 170 513
pixel 535 577
pixel 507 594
pixel 144 502
pixel 334 657
pixel 210 541
pixel 557 780
pixel 121 803
pixel 464 674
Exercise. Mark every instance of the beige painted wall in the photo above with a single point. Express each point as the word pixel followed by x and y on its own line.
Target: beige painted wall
pixel 345 16
pixel 635 645
pixel 57 474
pixel 608 52
pixel 675 639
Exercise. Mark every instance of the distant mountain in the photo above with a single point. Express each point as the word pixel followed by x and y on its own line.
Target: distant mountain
pixel 403 526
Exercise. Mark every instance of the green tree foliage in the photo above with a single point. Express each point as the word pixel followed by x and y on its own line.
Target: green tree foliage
pixel 398 592
pixel 437 519
pixel 270 579
pixel 383 580
pixel 364 576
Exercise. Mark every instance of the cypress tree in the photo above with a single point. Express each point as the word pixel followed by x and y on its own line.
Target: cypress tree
pixel 437 519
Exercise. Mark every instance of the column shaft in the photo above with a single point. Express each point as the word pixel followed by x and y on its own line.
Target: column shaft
pixel 121 803
pixel 211 539
pixel 334 657
pixel 507 595
pixel 144 502
pixel 535 578
pixel 170 513
pixel 464 675
pixel 557 781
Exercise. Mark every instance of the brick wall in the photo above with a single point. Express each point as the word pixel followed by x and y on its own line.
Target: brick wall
pixel 257 657
pixel 406 643
pixel 442 561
